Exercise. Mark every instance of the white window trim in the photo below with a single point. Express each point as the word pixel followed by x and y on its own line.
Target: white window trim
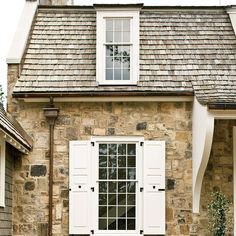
pixel 139 164
pixel 100 47
pixel 2 172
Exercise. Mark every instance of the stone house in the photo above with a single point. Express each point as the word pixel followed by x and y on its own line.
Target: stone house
pixel 131 109
pixel 14 143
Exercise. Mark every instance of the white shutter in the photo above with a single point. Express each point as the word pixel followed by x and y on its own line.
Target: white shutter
pixel 154 187
pixel 79 195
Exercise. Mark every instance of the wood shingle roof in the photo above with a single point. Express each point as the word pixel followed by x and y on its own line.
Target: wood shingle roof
pixel 182 51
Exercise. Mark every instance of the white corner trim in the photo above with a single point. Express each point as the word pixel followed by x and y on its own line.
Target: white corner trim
pixel 202 131
pixel 2 172
pixel 232 15
pixel 19 41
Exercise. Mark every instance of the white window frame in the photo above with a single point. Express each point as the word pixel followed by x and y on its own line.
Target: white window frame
pixel 139 179
pixel 2 172
pixel 101 40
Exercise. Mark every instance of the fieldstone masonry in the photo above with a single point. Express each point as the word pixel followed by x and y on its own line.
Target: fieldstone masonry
pixel 78 121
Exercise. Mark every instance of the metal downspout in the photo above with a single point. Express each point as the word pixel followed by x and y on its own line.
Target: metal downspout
pixel 51 114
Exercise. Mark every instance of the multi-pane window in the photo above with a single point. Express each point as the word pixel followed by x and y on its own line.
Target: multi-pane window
pixel 118 49
pixel 117 186
pixel 117 42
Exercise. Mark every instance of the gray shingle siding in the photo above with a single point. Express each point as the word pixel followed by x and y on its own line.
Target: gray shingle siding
pixel 181 51
pixel 6 212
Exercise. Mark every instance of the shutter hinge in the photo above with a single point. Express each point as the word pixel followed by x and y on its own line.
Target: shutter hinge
pixel 92 231
pixel 92 188
pixel 92 143
pixel 161 190
pixel 69 189
pixel 141 231
pixel 141 144
pixel 141 189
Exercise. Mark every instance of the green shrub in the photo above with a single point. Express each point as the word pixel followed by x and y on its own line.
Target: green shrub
pixel 217 210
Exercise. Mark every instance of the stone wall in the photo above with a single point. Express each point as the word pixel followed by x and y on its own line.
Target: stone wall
pixel 219 172
pixel 79 121
pixel 6 212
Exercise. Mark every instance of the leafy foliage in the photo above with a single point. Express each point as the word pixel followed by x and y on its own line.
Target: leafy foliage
pixel 217 210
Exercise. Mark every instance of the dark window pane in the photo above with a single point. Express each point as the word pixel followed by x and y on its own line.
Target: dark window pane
pixel 103 211
pixel 131 224
pixel 122 187
pixel 112 187
pixel 131 161
pixel 130 199
pixel 102 199
pixel 102 173
pixel 117 64
pixel 122 149
pixel 126 51
pixel 102 149
pixel 112 199
pixel 112 173
pixel 102 187
pixel 126 74
pixel 112 161
pixel 109 50
pixel 122 173
pixel 112 149
pixel 117 74
pixel 131 187
pixel 112 211
pixel 109 74
pixel 126 65
pixel 131 173
pixel 131 211
pixel 131 149
pixel 122 161
pixel 109 62
pixel 112 224
pixel 103 224
pixel 121 224
pixel 117 50
pixel 102 161
pixel 121 199
pixel 121 211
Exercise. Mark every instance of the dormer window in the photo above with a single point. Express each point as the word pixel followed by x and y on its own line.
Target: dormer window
pixel 117 47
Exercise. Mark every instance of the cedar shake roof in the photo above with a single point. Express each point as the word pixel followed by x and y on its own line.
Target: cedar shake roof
pixel 10 127
pixel 183 51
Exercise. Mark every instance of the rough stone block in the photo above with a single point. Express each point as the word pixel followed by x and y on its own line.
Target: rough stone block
pixel 38 170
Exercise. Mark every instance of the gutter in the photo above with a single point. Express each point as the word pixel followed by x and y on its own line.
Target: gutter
pixel 101 93
pixel 222 106
pixel 51 114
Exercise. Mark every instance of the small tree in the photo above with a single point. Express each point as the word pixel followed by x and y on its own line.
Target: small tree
pixel 217 210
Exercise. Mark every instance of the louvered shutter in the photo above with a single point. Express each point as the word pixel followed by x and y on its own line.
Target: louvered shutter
pixel 154 187
pixel 79 195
